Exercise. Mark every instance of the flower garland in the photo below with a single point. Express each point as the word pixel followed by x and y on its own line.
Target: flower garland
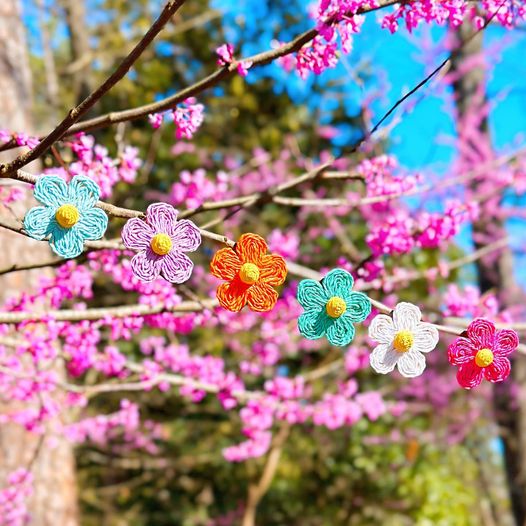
pixel 70 217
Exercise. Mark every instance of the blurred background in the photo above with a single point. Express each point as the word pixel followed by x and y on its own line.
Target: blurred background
pixel 422 452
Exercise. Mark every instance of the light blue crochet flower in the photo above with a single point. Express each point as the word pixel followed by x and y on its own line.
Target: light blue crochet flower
pixel 68 217
pixel 331 308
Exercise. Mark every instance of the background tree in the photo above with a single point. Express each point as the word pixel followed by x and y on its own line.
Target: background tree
pixel 345 445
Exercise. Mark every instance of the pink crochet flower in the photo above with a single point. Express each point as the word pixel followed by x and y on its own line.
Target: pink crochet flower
pixel 482 353
pixel 161 241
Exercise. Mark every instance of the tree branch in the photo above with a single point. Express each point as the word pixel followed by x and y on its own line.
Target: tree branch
pixel 122 311
pixel 257 491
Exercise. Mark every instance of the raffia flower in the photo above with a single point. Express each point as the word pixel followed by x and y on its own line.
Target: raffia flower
pixel 331 308
pixel 402 339
pixel 251 274
pixel 68 217
pixel 483 352
pixel 162 241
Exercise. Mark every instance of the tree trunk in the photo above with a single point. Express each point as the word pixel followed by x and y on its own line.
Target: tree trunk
pixel 50 71
pixel 80 48
pixel 495 273
pixel 54 498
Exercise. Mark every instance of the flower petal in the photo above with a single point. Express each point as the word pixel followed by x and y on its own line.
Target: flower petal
pixel 92 225
pixel 225 264
pixel 313 324
pixel 261 297
pixel 161 217
pixel 272 269
pixel 338 282
pixel 83 192
pixel 137 234
pixel 382 329
pixel 251 248
pixel 499 370
pixel 482 333
pixel 185 236
pixel 406 316
pixel 506 341
pixel 37 222
pixel 51 190
pixel 176 267
pixel 358 307
pixel 411 364
pixel 461 351
pixel 311 295
pixel 425 337
pixel 146 265
pixel 340 332
pixel 469 375
pixel 66 242
pixel 232 296
pixel 383 358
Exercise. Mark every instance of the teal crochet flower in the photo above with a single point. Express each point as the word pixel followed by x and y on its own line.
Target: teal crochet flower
pixel 68 217
pixel 331 308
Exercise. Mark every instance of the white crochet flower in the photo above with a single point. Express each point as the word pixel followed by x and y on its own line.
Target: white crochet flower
pixel 401 341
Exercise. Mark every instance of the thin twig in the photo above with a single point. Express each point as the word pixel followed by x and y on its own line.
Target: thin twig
pixel 423 82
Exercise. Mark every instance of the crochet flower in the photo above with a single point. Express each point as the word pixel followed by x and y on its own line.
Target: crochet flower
pixel 482 352
pixel 251 274
pixel 331 308
pixel 68 217
pixel 162 241
pixel 402 339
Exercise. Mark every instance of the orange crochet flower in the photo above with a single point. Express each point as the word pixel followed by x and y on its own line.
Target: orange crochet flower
pixel 251 274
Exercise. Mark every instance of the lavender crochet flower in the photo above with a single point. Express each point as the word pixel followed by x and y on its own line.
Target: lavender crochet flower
pixel 161 241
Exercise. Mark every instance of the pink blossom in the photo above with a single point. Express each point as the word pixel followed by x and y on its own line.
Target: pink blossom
pixel 188 118
pixel 156 120
pixel 286 244
pixel 13 498
pixel 225 54
pixel 195 188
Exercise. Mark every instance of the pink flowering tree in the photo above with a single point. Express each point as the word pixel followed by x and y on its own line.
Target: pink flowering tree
pixel 222 310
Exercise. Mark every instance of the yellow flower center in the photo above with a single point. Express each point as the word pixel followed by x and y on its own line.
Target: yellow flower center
pixel 249 273
pixel 67 216
pixel 161 244
pixel 403 341
pixel 484 357
pixel 335 307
